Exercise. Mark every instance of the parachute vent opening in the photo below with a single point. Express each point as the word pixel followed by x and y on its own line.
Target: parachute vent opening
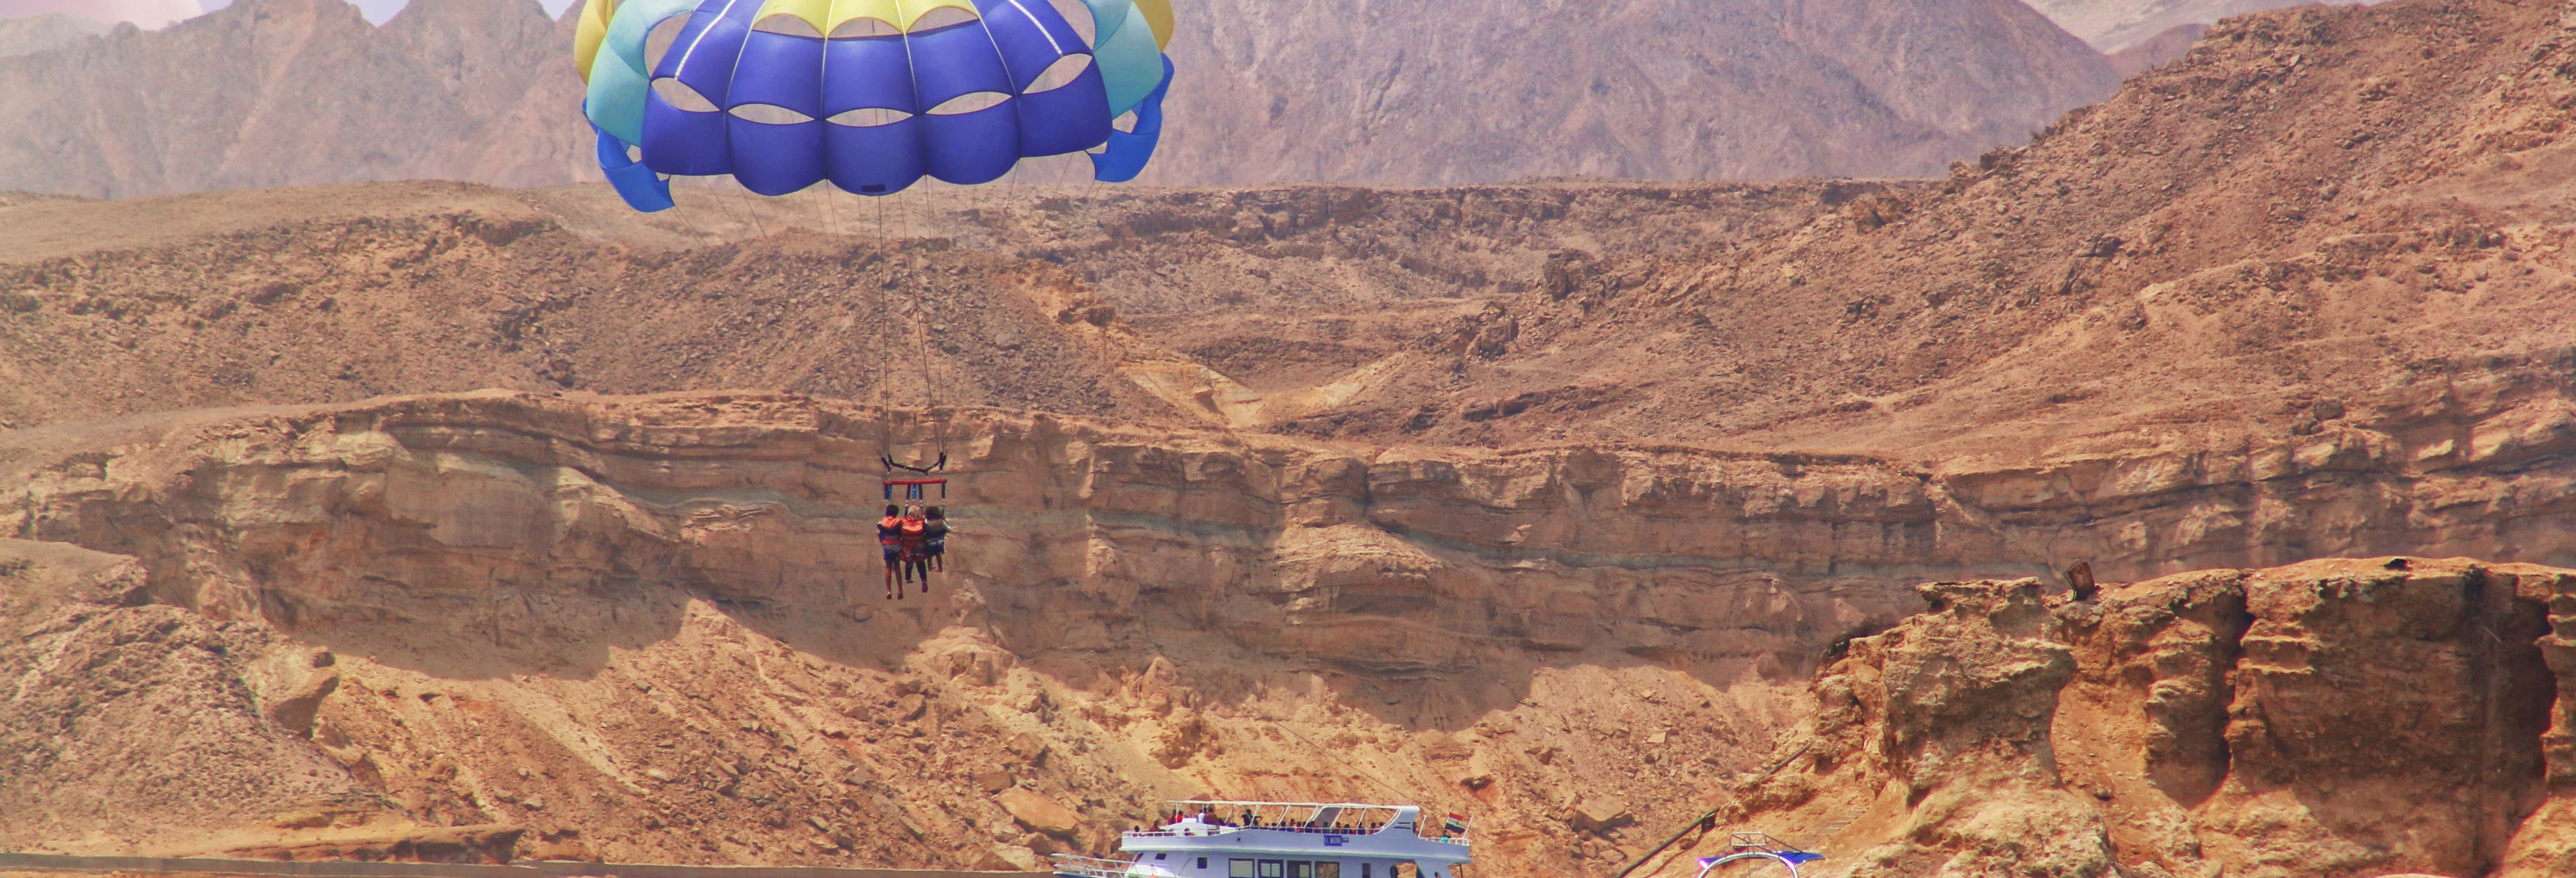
pixel 681 97
pixel 1059 74
pixel 770 114
pixel 634 153
pixel 969 102
pixel 869 117
pixel 942 17
pixel 1126 122
pixel 791 25
pixel 858 28
pixel 657 42
pixel 1078 14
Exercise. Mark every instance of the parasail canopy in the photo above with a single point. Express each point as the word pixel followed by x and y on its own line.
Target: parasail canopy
pixel 870 95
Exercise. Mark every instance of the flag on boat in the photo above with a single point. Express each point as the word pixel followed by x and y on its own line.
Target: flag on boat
pixel 1457 825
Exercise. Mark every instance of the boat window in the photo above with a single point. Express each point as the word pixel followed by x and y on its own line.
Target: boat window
pixel 1162 856
pixel 1202 862
pixel 1364 869
pixel 1301 869
pixel 1238 869
pixel 1273 869
pixel 1328 869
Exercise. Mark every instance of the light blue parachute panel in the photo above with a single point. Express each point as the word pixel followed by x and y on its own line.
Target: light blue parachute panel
pixel 1129 150
pixel 1130 64
pixel 754 89
pixel 618 75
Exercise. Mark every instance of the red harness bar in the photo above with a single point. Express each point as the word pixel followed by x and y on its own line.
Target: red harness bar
pixel 912 488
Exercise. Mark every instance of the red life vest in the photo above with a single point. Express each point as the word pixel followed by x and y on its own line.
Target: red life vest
pixel 889 529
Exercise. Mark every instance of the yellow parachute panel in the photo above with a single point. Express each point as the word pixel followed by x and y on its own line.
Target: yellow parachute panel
pixel 589 32
pixel 1158 15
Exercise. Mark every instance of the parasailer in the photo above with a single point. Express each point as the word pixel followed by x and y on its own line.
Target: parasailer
pixel 914 539
pixel 869 95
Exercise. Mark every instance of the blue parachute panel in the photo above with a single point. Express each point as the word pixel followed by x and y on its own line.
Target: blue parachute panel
pixel 869 72
pixel 1130 150
pixel 780 111
pixel 970 148
pixel 636 184
pixel 1027 48
pixel 688 142
pixel 876 160
pixel 780 70
pixel 1069 119
pixel 775 157
pixel 953 61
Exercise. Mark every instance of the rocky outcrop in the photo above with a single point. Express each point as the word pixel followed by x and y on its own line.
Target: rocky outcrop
pixel 652 625
pixel 637 624
pixel 2330 718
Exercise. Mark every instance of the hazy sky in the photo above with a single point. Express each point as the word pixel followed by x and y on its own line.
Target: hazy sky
pixel 155 13
pixel 380 10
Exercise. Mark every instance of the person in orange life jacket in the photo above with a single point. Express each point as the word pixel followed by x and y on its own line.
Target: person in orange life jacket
pixel 890 538
pixel 914 533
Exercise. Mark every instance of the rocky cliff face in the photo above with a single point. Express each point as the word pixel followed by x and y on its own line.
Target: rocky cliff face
pixel 295 92
pixel 2345 717
pixel 652 627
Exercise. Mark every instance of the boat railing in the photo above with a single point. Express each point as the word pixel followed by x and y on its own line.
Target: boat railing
pixel 1080 866
pixel 1220 828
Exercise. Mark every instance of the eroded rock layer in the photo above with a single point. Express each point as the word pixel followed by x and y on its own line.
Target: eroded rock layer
pixel 2335 717
pixel 652 627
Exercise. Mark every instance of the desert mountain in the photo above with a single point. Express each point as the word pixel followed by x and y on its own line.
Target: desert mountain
pixel 2113 25
pixel 1584 509
pixel 1414 93
pixel 2289 224
pixel 43 33
pixel 296 92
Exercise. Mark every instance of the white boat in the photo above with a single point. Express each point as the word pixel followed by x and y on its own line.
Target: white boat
pixel 1227 839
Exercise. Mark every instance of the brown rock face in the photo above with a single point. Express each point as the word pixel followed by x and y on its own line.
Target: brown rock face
pixel 1039 813
pixel 2341 717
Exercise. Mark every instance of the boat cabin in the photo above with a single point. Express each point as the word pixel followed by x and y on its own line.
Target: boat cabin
pixel 1230 839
